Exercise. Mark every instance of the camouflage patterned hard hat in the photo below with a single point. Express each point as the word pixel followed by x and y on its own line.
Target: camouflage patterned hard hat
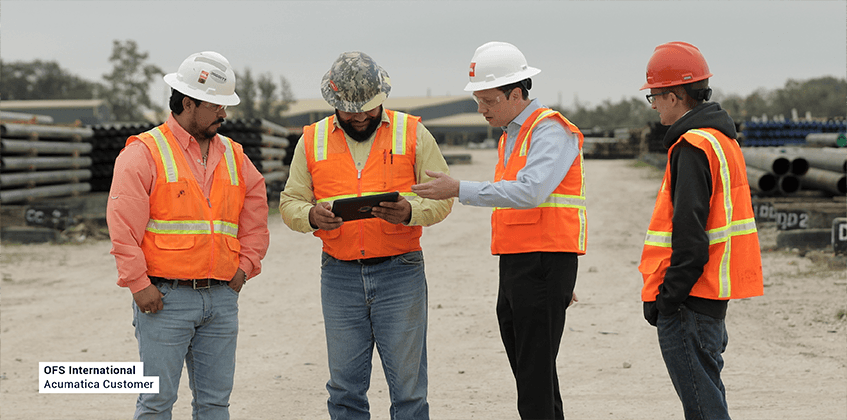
pixel 355 83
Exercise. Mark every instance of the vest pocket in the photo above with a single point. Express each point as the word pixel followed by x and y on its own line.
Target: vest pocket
pixel 521 217
pixel 650 265
pixel 174 242
pixel 233 244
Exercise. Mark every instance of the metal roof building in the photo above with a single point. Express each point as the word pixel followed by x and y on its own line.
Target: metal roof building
pixel 64 111
pixel 451 119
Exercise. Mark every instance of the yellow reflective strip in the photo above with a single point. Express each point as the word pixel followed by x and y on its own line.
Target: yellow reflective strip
pixel 321 139
pixel 658 238
pixel 229 157
pixel 226 228
pixel 166 154
pixel 583 229
pixel 179 226
pixel 398 135
pixel 541 116
pixel 725 282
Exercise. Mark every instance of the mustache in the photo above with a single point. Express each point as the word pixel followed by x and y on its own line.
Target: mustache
pixel 219 121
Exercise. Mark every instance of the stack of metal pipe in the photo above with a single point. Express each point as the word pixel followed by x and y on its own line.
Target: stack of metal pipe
pixel 108 141
pixel 38 161
pixel 787 170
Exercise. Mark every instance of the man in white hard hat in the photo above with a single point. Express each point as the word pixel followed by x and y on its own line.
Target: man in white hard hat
pixel 373 285
pixel 538 223
pixel 188 218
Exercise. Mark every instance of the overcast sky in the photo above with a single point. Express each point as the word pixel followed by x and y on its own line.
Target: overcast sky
pixel 587 50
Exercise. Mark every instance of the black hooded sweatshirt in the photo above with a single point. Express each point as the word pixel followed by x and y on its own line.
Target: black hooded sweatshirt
pixel 691 190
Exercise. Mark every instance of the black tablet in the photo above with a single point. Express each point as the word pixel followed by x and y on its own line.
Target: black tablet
pixel 360 207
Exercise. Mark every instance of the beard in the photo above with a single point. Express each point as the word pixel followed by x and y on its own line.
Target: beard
pixel 205 133
pixel 360 136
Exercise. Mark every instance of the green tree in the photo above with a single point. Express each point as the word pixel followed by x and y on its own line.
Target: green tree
pixel 246 90
pixel 126 89
pixel 261 97
pixel 822 97
pixel 267 98
pixel 42 80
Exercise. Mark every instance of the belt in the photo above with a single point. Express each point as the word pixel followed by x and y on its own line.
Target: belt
pixel 370 261
pixel 192 283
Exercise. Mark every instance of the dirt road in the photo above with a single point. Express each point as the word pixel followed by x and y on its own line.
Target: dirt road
pixel 787 354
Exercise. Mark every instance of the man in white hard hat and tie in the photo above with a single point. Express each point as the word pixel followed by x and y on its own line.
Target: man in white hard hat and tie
pixel 188 219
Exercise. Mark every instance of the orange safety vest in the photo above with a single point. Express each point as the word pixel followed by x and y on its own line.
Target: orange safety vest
pixel 734 269
pixel 189 235
pixel 556 225
pixel 390 167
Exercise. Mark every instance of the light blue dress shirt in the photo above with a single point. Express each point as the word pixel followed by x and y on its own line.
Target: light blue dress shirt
pixel 550 156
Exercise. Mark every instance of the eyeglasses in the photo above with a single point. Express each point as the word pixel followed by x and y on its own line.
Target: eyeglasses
pixel 213 107
pixel 651 98
pixel 487 102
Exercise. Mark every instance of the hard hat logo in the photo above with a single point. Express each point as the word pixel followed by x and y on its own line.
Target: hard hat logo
pixel 206 76
pixel 472 73
pixel 218 76
pixel 357 83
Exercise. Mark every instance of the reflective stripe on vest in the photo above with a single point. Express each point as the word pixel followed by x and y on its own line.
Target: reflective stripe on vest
pixel 398 136
pixel 195 227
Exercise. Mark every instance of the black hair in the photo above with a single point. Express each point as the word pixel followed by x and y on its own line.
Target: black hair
pixel 525 85
pixel 176 101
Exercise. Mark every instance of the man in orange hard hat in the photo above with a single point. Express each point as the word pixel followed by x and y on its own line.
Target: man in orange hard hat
pixel 538 226
pixel 702 248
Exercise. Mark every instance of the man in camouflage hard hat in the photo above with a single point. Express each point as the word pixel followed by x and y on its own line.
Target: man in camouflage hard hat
pixel 361 150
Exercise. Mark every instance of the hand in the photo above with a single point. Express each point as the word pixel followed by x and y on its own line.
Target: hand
pixel 148 299
pixel 238 280
pixel 440 188
pixel 321 217
pixel 395 212
pixel 651 313
pixel 573 300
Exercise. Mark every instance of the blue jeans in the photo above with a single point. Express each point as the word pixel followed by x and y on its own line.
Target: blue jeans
pixel 383 305
pixel 200 328
pixel 692 344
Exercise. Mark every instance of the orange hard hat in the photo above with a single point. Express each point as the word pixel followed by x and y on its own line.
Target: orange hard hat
pixel 675 63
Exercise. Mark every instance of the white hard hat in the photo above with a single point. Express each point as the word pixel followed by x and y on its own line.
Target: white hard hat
pixel 206 76
pixel 496 64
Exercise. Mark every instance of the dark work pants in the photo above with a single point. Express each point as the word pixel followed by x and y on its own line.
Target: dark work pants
pixel 535 289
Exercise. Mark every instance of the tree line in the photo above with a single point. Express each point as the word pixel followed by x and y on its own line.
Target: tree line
pixel 125 88
pixel 823 97
pixel 125 91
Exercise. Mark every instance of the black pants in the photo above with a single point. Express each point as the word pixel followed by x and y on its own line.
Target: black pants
pixel 535 289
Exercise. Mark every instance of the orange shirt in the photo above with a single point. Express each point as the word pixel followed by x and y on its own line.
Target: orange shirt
pixel 129 203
